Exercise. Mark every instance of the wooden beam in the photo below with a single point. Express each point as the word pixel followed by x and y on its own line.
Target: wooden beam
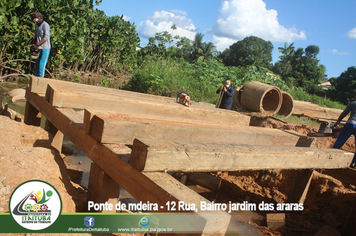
pixel 57 141
pixel 205 180
pixel 217 222
pixel 101 187
pixel 137 184
pixel 347 175
pixel 316 112
pixel 76 116
pixel 39 85
pixel 31 115
pixel 300 186
pixel 124 128
pixel 150 155
pixel 88 100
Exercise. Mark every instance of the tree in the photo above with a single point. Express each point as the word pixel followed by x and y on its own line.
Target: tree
pixel 306 65
pixel 197 44
pixel 163 37
pixel 287 52
pixel 301 68
pixel 344 86
pixel 185 47
pixel 312 51
pixel 250 51
pixel 207 51
pixel 82 38
pixel 202 51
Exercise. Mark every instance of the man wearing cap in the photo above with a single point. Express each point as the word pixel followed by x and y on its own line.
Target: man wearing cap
pixel 349 128
pixel 42 41
pixel 227 92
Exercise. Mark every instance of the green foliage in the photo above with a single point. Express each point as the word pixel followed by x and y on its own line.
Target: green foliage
pixel 168 77
pixel 295 119
pixel 249 51
pixel 77 80
pixel 344 87
pixel 105 82
pixel 301 68
pixel 82 38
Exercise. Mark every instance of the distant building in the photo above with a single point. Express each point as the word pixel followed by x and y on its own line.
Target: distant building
pixel 325 85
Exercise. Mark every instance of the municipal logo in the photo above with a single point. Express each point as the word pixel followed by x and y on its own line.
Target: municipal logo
pixel 144 221
pixel 89 221
pixel 35 205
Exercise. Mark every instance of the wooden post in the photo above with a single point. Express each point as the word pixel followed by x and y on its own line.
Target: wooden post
pixel 300 186
pixel 102 188
pixel 57 141
pixel 32 115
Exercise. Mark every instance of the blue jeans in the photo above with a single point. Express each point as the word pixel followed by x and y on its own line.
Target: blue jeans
pixel 41 62
pixel 344 135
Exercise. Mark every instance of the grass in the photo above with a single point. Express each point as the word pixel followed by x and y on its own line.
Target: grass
pixel 298 120
pixel 300 95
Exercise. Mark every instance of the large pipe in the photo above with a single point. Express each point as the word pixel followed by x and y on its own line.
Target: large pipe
pixel 261 97
pixel 287 105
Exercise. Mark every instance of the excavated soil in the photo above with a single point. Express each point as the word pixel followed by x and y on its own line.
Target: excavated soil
pixel 25 154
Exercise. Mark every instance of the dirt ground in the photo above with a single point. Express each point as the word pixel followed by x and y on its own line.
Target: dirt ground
pixel 25 154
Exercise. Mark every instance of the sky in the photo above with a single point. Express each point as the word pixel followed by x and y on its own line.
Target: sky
pixel 328 24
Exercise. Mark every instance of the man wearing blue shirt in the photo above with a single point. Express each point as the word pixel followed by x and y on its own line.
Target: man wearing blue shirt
pixel 43 43
pixel 227 94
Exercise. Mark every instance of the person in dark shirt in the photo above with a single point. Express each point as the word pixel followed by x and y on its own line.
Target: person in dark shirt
pixel 227 92
pixel 349 128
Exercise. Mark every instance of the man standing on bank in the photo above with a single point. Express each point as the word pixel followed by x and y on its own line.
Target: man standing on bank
pixel 349 128
pixel 43 43
pixel 226 93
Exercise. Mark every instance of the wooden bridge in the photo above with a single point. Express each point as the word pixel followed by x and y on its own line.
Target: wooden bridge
pixel 167 136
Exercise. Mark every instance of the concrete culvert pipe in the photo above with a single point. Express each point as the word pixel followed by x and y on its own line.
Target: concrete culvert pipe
pixel 261 97
pixel 287 105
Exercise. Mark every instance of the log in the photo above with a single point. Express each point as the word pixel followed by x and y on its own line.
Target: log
pixel 124 128
pixel 205 180
pixel 151 155
pixel 300 186
pixel 101 187
pixel 79 96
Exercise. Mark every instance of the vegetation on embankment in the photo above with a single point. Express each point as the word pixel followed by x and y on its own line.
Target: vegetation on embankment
pixel 168 77
pixel 86 42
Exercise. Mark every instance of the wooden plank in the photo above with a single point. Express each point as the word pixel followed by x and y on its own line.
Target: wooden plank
pixel 101 187
pixel 85 96
pixel 39 85
pixel 205 180
pixel 150 155
pixel 86 100
pixel 137 184
pixel 57 141
pixel 317 112
pixel 300 186
pixel 122 128
pixel 217 222
pixel 77 116
pixel 31 115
